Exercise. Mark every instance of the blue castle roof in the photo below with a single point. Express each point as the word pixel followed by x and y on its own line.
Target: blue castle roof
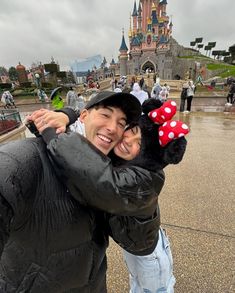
pixel 154 18
pixel 163 2
pixel 112 62
pixel 135 13
pixel 135 41
pixel 123 45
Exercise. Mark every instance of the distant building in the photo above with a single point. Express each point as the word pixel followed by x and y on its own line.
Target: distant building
pixel 22 74
pixel 87 64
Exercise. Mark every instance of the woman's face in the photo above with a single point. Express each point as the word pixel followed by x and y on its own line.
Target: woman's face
pixel 129 147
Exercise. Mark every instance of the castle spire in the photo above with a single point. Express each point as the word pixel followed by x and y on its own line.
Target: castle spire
pixel 130 28
pixel 139 17
pixel 123 46
pixel 135 13
pixel 139 9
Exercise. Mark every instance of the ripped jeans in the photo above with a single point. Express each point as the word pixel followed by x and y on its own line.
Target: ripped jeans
pixel 152 273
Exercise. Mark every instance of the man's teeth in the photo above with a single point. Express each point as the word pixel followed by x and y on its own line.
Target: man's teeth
pixel 104 138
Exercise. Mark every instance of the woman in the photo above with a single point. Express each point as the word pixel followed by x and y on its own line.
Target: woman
pixel 154 270
pixel 190 95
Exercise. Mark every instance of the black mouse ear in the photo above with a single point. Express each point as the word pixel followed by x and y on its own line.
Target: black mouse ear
pixel 174 151
pixel 150 104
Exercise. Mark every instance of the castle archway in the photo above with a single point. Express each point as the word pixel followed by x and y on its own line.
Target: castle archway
pixel 148 67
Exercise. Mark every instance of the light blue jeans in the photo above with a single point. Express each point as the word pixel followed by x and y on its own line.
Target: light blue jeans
pixel 152 273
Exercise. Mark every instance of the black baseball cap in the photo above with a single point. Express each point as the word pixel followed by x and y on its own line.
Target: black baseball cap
pixel 128 103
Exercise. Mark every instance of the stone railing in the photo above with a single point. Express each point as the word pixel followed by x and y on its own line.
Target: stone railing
pixel 175 85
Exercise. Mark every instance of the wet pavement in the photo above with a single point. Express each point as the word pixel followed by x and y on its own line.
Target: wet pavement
pixel 197 209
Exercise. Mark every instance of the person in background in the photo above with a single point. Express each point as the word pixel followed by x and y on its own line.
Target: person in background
pixel 80 103
pixel 142 83
pixel 156 89
pixel 231 93
pixel 97 85
pixel 71 98
pixel 8 100
pixel 132 81
pixel 168 88
pixel 183 96
pixel 163 94
pixel 190 95
pixel 42 95
pixel 139 93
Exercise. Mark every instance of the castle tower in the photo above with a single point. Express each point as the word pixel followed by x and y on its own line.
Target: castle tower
pixel 144 14
pixel 123 56
pixel 154 20
pixel 112 67
pixel 163 4
pixel 135 15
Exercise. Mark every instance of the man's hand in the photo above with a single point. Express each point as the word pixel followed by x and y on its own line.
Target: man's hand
pixel 44 118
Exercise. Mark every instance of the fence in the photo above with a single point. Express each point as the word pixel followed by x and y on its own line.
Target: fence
pixel 9 120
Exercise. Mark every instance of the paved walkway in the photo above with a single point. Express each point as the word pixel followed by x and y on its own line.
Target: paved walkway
pixel 198 211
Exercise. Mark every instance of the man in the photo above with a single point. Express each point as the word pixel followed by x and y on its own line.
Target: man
pixel 48 241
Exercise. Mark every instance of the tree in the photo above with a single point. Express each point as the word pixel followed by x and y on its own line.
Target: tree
pixel 200 46
pixel 207 48
pixel 192 44
pixel 3 71
pixel 13 74
pixel 212 45
pixel 217 53
pixel 198 40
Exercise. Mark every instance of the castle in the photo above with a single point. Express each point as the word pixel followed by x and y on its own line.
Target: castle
pixel 151 46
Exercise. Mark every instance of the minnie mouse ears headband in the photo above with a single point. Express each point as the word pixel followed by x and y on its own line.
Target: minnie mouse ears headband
pixel 170 129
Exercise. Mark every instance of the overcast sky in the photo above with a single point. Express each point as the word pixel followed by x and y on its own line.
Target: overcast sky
pixel 33 30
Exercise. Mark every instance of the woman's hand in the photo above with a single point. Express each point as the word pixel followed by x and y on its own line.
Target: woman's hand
pixel 44 118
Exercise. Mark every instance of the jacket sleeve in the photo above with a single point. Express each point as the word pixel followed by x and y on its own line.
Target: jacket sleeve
pixel 135 235
pixel 92 180
pixel 72 114
pixel 6 215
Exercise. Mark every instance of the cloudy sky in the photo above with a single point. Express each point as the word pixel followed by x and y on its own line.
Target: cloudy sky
pixel 33 31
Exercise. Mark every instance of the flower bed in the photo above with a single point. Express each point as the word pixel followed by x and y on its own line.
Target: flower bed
pixel 8 125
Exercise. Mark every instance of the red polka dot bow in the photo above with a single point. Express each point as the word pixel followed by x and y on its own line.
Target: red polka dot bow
pixel 170 129
pixel 164 113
